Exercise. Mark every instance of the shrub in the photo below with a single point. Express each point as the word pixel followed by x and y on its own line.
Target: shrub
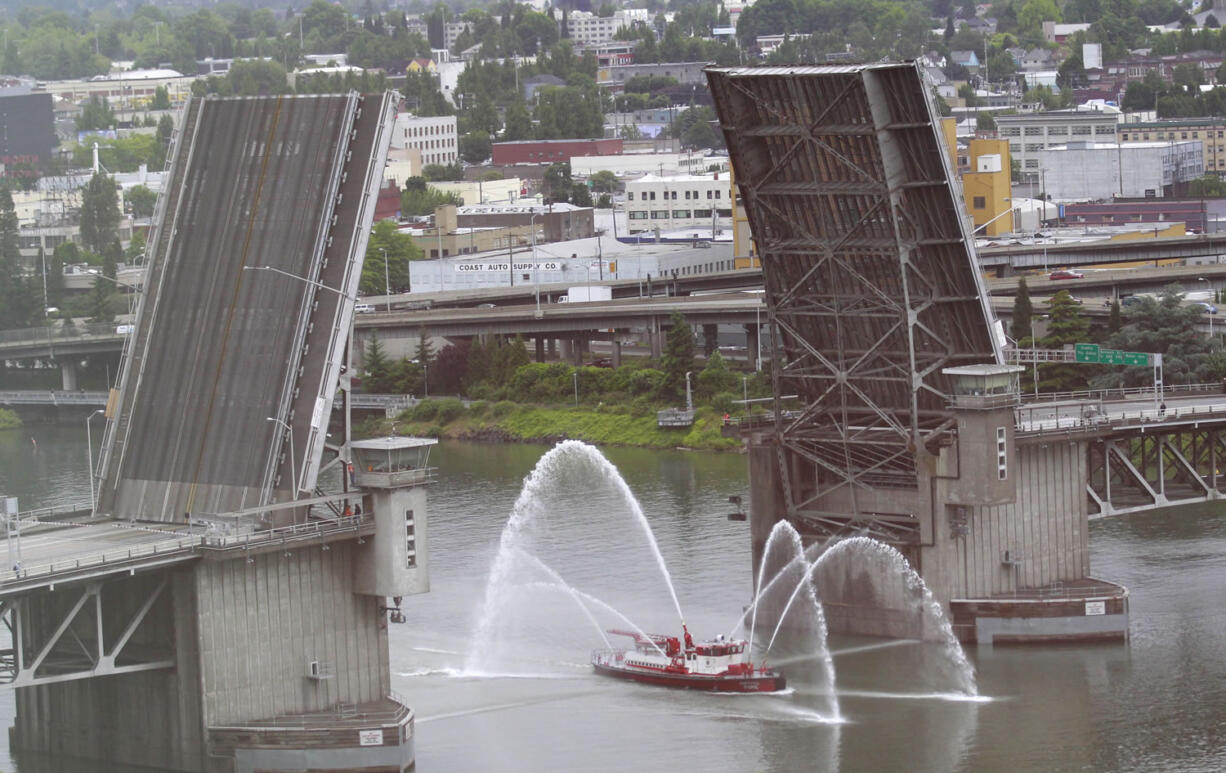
pixel 646 382
pixel 478 409
pixel 642 406
pixel 434 431
pixel 449 410
pixel 722 402
pixel 503 408
pixel 426 410
pixel 8 419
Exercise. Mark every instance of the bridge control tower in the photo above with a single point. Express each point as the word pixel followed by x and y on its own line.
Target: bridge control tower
pixel 225 608
pixel 880 325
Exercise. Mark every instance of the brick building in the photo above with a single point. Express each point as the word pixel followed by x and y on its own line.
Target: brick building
pixel 552 151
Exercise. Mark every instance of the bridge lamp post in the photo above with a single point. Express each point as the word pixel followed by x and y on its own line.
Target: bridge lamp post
pixel 1212 305
pixel 387 285
pixel 89 446
pixel 536 267
pixel 293 470
pixel 311 282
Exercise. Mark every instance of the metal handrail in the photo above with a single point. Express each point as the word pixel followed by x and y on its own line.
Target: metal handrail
pixel 1108 420
pixel 345 711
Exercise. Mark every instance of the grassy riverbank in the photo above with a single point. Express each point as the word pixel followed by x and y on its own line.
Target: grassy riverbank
pixel 8 419
pixel 505 421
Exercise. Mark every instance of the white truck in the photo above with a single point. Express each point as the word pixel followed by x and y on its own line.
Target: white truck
pixel 587 293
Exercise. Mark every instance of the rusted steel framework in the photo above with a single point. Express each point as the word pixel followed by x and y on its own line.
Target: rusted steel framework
pixel 870 278
pixel 1140 471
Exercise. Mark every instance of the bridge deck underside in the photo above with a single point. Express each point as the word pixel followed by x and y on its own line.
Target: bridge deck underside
pixel 870 282
pixel 221 348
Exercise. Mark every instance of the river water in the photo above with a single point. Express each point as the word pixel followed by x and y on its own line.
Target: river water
pixel 1157 704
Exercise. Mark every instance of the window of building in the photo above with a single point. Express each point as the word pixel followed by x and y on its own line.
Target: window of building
pixel 1105 128
pixel 1002 450
pixel 629 195
pixel 1183 135
pixel 1032 163
pixel 1034 147
pixel 979 202
pixel 702 213
pixel 681 213
pixel 1011 131
pixel 659 214
pixel 1081 131
pixel 653 195
pixel 1034 131
pixel 1057 131
pixel 1124 137
pixel 724 212
pixel 717 194
pixel 638 214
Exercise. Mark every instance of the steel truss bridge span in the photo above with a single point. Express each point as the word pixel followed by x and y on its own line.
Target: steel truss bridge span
pixel 870 282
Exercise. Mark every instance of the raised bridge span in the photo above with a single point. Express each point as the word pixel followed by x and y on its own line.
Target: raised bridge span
pixel 214 593
pixel 906 428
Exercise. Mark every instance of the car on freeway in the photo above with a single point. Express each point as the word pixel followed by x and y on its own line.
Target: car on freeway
pixel 1066 274
pixel 1205 307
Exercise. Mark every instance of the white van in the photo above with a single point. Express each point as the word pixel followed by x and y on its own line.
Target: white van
pixel 363 308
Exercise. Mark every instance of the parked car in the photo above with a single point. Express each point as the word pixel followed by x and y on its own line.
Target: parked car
pixel 1066 274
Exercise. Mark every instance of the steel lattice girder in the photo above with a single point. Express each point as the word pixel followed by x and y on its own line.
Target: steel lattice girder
pixel 872 287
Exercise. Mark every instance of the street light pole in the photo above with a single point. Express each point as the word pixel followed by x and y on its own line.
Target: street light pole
pixel 311 282
pixel 575 376
pixel 387 285
pixel 536 267
pixel 89 445
pixel 1211 307
pixel 293 470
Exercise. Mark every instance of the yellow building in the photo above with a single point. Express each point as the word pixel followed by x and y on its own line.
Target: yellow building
pixel 986 188
pixel 744 251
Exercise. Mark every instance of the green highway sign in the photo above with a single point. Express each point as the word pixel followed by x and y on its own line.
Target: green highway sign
pixel 1086 352
pixel 1095 353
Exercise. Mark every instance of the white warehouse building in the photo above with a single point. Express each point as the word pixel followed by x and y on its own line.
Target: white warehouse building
pixel 1092 171
pixel 434 136
pixel 682 202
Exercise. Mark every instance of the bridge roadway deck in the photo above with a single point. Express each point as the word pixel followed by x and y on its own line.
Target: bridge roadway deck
pixel 223 348
pixel 55 552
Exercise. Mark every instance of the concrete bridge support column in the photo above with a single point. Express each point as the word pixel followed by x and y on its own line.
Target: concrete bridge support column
pixel 581 345
pixel 710 339
pixel 68 375
pixel 540 348
pixel 617 353
pixel 653 338
pixel 551 348
pixel 567 349
pixel 752 341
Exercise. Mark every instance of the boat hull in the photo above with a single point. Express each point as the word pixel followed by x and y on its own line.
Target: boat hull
pixel 768 682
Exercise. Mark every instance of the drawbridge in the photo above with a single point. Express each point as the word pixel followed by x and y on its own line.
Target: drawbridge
pixel 244 321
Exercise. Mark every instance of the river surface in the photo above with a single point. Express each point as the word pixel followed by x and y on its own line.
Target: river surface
pixel 1157 704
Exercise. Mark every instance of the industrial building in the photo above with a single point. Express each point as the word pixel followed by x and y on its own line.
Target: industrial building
pixel 1090 171
pixel 434 136
pixel 700 202
pixel 551 151
pixel 1028 134
pixel 1210 132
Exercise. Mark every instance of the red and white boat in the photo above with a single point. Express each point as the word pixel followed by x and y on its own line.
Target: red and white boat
pixel 719 665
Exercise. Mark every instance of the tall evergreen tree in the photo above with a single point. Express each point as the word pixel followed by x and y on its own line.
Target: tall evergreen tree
pixel 99 213
pixel 18 301
pixel 1066 325
pixel 678 358
pixel 376 366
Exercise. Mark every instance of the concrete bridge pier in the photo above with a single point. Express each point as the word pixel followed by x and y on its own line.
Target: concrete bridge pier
pixel 68 375
pixel 753 335
pixel 617 353
pixel 710 339
pixel 539 342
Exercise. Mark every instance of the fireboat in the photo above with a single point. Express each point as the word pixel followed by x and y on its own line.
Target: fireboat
pixel 718 665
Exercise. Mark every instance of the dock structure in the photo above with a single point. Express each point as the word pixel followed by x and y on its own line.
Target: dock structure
pixel 218 611
pixel 881 324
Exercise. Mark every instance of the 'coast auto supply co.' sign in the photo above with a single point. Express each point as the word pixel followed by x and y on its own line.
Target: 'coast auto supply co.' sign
pixel 548 265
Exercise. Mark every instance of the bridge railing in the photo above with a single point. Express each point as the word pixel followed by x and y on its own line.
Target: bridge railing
pixel 37 335
pixel 1105 420
pixel 1125 393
